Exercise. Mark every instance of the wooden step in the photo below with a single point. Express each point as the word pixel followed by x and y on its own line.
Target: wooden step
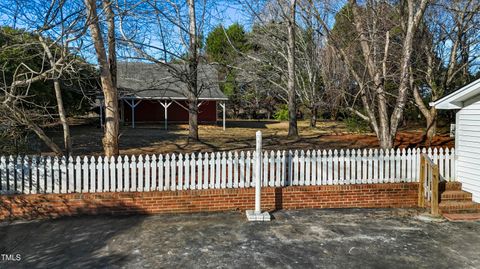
pixel 453 186
pixel 456 196
pixel 462 216
pixel 459 207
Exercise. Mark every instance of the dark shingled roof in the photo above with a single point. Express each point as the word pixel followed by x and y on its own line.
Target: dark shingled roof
pixel 155 81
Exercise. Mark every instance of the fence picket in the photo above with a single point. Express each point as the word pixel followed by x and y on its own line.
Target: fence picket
pixel 34 175
pixel 248 163
pixel 160 166
pixel 23 174
pixel 147 170
pixel 242 170
pixel 229 170
pixel 100 184
pixel 126 174
pixel 193 172
pixel 235 170
pixel 173 173
pixel 119 165
pixel 223 163
pixel 105 168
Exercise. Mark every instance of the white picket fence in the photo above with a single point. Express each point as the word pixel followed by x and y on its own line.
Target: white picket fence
pixel 30 175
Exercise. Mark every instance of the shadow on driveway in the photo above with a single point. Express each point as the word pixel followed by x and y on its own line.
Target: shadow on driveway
pixel 339 238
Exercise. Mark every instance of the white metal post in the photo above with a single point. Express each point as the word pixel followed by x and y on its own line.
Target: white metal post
pixel 165 107
pixel 257 215
pixel 223 110
pixel 258 172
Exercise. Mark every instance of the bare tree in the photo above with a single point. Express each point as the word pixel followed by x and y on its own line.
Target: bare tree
pixel 175 44
pixel 107 70
pixel 448 47
pixel 292 102
pixel 381 108
pixel 56 27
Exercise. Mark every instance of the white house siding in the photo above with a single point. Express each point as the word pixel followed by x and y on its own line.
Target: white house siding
pixel 467 142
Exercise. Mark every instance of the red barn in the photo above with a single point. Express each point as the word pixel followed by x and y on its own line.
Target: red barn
pixel 157 93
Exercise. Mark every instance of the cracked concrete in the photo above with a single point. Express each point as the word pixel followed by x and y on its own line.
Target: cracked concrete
pixel 340 238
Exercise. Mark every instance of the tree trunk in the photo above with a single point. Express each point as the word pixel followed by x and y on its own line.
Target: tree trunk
pixel 36 129
pixel 193 119
pixel 431 127
pixel 110 138
pixel 112 52
pixel 192 74
pixel 313 117
pixel 67 141
pixel 292 102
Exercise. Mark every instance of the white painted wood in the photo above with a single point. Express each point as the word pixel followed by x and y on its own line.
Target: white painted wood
pixel 290 168
pixel 296 170
pixel 265 168
pixel 335 167
pixel 376 166
pixel 364 166
pixel 313 164
pixel 236 171
pixel 307 168
pixel 19 174
pixel 173 172
pixel 278 169
pixel 120 178
pixel 370 167
pixel 392 166
pixel 126 174
pixel 347 159
pixel 284 176
pixel 34 178
pixel 467 148
pixel 271 163
pixel 3 174
pixel 248 174
pixel 301 180
pixel 193 171
pixel 211 168
pixel 70 173
pixel 359 165
pixel 229 170
pixel 113 174
pixel 147 171
pixel 100 184
pixel 341 167
pixel 161 174
pixel 200 165
pixel 223 183
pixel 133 173
pixel 140 174
pixel 330 167
pixel 324 168
pixel 78 174
pixel 218 170
pixel 319 168
pixel 180 166
pixel 381 166
pixel 397 165
pixel 221 170
pixel 242 170
pixel 85 174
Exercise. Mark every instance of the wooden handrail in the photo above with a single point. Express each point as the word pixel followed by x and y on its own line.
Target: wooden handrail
pixel 429 177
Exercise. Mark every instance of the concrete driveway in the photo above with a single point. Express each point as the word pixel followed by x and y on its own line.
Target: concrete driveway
pixel 347 238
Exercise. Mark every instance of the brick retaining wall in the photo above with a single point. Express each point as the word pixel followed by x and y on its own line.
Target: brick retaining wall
pixel 293 197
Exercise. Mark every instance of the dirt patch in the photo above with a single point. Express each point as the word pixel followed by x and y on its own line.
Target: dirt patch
pixel 239 135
